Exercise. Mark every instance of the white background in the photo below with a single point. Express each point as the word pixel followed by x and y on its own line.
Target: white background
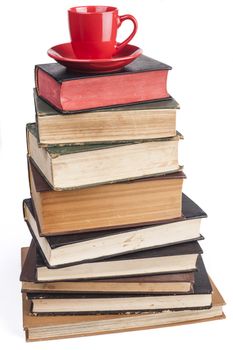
pixel 195 38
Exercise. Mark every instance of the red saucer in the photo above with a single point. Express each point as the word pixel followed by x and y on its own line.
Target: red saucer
pixel 64 55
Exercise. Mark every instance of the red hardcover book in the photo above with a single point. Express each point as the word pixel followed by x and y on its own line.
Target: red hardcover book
pixel 145 79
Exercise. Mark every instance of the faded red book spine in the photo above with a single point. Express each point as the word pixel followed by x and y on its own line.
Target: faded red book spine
pixel 94 92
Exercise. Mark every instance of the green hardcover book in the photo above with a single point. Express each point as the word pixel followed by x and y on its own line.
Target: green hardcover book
pixel 142 121
pixel 74 166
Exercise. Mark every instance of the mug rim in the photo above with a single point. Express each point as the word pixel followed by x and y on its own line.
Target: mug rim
pixel 110 9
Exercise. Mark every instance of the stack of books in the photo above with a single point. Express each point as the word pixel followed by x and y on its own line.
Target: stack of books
pixel 115 242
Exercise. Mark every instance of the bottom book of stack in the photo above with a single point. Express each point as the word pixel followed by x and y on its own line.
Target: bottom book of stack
pixel 63 309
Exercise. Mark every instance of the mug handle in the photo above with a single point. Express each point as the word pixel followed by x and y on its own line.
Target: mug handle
pixel 121 19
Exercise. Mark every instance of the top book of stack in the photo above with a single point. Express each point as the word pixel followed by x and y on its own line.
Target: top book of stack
pixel 143 80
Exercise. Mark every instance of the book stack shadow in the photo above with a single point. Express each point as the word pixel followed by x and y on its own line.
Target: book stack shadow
pixel 115 243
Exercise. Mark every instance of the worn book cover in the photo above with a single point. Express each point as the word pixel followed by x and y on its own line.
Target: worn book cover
pixel 135 122
pixel 144 79
pixel 76 166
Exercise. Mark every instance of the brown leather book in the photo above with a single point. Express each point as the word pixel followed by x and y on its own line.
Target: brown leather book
pixel 164 283
pixel 132 203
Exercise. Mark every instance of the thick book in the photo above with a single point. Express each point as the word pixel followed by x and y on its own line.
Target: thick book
pixel 152 284
pixel 59 251
pixel 66 326
pixel 136 122
pixel 126 204
pixel 172 259
pixel 75 166
pixel 144 79
pixel 55 303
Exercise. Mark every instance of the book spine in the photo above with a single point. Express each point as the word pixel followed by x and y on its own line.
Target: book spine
pixel 48 88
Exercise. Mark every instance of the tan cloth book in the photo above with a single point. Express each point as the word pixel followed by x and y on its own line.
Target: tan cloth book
pixel 59 327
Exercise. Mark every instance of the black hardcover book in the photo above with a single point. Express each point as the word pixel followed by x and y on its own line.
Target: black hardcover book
pixel 180 283
pixel 172 259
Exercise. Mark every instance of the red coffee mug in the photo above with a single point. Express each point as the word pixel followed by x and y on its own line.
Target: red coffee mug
pixel 93 31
